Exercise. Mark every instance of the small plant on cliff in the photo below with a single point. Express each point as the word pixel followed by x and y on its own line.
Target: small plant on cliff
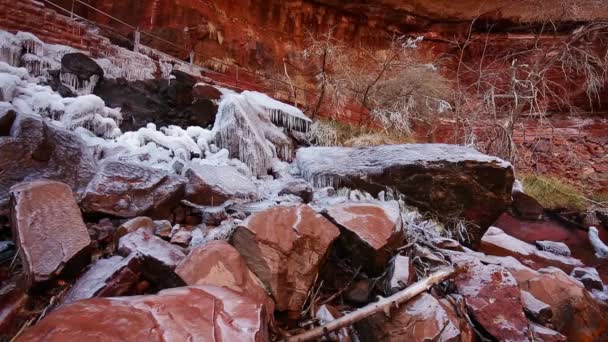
pixel 553 192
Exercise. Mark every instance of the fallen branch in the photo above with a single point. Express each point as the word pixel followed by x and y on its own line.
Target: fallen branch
pixel 382 305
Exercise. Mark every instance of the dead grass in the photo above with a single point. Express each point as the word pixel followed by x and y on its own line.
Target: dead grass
pixel 333 133
pixel 553 192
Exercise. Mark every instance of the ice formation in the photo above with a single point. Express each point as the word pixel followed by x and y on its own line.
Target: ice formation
pixel 245 125
pixel 78 86
pixel 601 250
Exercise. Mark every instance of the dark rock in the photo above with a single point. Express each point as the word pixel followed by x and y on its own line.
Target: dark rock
pixel 399 275
pixel 214 185
pixel 206 92
pixel 12 311
pixel 558 248
pixel 80 65
pixel 48 228
pixel 536 310
pixel 285 246
pixel 493 299
pixel 370 232
pixel 116 276
pixel 526 207
pixel 37 150
pixel 129 190
pixel 213 216
pixel 300 189
pixel 6 122
pixel 589 277
pixel 197 313
pixel 159 257
pixel 359 292
pixel 7 251
pixel 447 180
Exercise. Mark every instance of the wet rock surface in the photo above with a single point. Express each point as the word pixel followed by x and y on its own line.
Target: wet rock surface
pixel 130 190
pixel 285 246
pixel 448 180
pixel 48 228
pixel 34 149
pixel 201 313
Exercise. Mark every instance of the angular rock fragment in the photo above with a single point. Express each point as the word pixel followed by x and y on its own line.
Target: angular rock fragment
pixel 163 229
pixel 111 277
pixel 589 277
pixel 398 275
pixel 48 229
pixel 36 150
pixel 214 185
pixel 370 232
pixel 196 313
pixel 576 314
pixel 129 190
pixel 543 334
pixel 182 238
pixel 536 310
pixel 134 225
pixel 285 247
pixel 421 319
pixel 497 242
pixel 554 247
pixel 448 180
pixel 493 299
pixel 526 206
pixel 218 263
pixel 159 257
pixel 300 189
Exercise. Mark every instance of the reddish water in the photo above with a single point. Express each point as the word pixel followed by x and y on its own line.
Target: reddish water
pixel 552 230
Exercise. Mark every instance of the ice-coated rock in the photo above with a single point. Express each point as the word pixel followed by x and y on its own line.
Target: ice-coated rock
pixel 159 257
pixel 111 277
pixel 285 247
pixel 576 314
pixel 554 247
pixel 195 313
pixel 536 310
pixel 34 149
pixel 130 190
pixel 300 189
pixel 218 263
pixel 447 180
pixel 497 242
pixel 214 185
pixel 589 277
pixel 48 229
pixel 370 232
pixel 493 299
pixel 422 319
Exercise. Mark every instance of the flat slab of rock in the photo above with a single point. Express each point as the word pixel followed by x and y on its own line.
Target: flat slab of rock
pixel 421 319
pixel 218 263
pixel 497 242
pixel 448 180
pixel 285 247
pixel 196 313
pixel 493 299
pixel 49 230
pixel 536 310
pixel 130 190
pixel 541 333
pixel 370 232
pixel 111 277
pixel 214 185
pixel 35 150
pixel 554 247
pixel 159 257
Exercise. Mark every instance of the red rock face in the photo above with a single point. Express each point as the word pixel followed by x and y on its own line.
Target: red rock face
pixel 285 246
pixel 48 229
pixel 202 313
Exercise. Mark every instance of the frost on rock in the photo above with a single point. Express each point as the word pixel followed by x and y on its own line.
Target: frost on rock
pixel 245 126
pixel 78 86
pixel 8 86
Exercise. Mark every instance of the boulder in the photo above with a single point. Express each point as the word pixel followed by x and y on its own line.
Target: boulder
pixel 218 263
pixel 80 65
pixel 422 319
pixel 129 190
pixel 526 207
pixel 370 232
pixel 285 246
pixel 589 277
pixel 576 314
pixel 544 334
pixel 497 242
pixel 34 149
pixel 116 276
pixel 49 231
pixel 159 257
pixel 196 313
pixel 203 91
pixel 299 189
pixel 214 185
pixel 536 310
pixel 133 225
pixel 449 181
pixel 554 247
pixel 6 122
pixel 493 299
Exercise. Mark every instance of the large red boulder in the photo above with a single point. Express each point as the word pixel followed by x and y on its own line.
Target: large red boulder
pixel 370 232
pixel 48 229
pixel 285 247
pixel 196 313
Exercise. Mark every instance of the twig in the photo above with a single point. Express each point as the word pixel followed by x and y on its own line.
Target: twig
pixel 382 305
pixel 335 295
